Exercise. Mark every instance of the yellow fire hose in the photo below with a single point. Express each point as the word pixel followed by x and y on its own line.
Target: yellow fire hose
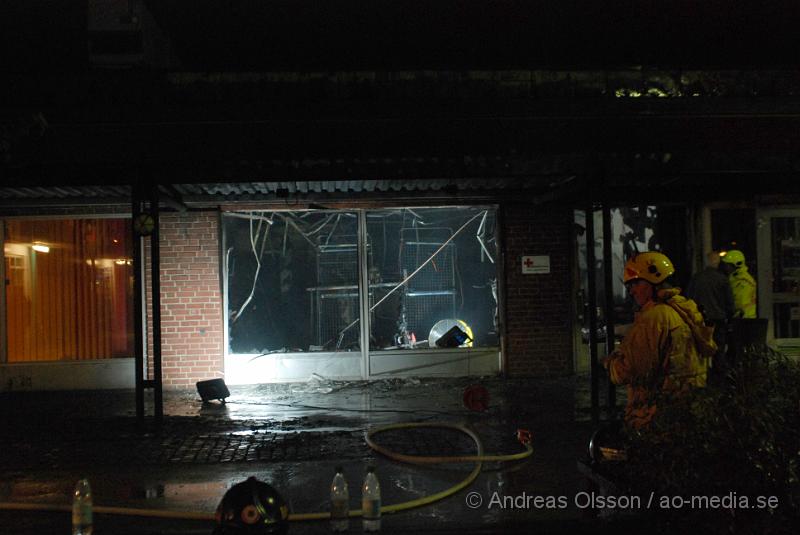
pixel 106 510
pixel 479 459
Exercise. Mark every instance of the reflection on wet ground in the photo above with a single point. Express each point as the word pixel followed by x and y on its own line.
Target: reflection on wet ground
pixel 292 435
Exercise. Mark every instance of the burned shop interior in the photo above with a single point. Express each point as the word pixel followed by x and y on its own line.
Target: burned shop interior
pixel 294 279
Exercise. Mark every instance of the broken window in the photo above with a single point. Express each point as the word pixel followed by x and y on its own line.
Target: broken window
pixel 432 272
pixel 293 279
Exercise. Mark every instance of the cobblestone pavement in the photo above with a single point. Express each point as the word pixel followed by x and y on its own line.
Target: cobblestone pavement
pixel 292 435
pixel 179 440
pixel 266 423
pixel 119 444
pixel 294 422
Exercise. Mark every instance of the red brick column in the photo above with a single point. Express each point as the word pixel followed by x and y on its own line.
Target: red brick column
pixel 191 299
pixel 538 307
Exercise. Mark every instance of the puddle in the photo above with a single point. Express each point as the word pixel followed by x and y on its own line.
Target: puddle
pixel 292 430
pixel 128 468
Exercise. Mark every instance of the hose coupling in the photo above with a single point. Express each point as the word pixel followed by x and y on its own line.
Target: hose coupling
pixel 524 436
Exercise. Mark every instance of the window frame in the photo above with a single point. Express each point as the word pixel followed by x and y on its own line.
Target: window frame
pixel 4 357
pixel 366 355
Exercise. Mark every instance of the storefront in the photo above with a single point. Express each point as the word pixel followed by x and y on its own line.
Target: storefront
pixel 360 293
pixel 288 291
pixel 279 291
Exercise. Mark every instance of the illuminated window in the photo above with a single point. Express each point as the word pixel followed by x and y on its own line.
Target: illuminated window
pixel 432 270
pixel 69 289
pixel 293 279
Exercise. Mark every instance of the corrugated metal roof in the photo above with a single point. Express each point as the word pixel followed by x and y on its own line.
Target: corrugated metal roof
pixel 346 186
pixel 64 192
pixel 224 191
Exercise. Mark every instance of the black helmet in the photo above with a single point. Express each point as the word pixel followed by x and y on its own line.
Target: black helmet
pixel 251 508
pixel 608 443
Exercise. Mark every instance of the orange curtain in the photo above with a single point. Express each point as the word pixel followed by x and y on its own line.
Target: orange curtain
pixel 73 302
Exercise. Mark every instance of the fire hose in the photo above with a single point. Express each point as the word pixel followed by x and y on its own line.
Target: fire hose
pixel 523 437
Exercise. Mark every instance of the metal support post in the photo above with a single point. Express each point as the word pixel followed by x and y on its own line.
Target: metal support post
pixel 139 303
pixel 155 281
pixel 591 291
pixel 608 305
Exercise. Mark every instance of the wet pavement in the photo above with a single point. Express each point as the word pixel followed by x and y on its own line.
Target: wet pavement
pixel 292 436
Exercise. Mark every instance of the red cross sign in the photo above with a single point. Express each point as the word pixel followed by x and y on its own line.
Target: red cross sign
pixel 535 265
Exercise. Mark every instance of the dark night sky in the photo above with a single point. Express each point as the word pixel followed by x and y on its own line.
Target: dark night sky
pixel 44 38
pixel 449 34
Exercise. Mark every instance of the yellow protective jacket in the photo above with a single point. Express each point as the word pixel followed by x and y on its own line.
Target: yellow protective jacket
pixel 744 293
pixel 667 350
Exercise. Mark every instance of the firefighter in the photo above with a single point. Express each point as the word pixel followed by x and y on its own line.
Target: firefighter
pixel 742 284
pixel 668 348
pixel 711 290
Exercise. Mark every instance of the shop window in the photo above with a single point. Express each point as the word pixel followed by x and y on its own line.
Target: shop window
pixel 432 271
pixel 293 279
pixel 69 289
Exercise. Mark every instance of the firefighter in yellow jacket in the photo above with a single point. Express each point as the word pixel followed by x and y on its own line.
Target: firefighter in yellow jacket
pixel 668 347
pixel 742 284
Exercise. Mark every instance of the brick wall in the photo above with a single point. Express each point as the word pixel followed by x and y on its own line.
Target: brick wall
pixel 191 299
pixel 538 307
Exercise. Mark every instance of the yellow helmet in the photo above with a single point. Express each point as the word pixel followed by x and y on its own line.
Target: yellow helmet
pixel 735 257
pixel 651 266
